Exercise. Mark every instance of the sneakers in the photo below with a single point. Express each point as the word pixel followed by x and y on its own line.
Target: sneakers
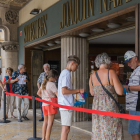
pixel 19 120
pixel 42 119
pixel 25 118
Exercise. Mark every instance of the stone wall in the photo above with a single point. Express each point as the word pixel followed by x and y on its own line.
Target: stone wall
pixel 9 17
pixel 9 20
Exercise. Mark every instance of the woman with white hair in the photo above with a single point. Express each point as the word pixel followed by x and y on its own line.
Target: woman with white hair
pixel 105 127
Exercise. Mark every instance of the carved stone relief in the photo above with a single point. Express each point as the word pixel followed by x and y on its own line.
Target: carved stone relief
pixel 11 16
pixel 17 3
pixel 9 46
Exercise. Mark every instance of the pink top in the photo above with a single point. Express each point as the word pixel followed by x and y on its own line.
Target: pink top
pixel 50 89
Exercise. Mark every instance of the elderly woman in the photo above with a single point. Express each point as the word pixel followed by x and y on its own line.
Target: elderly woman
pixel 104 127
pixel 9 99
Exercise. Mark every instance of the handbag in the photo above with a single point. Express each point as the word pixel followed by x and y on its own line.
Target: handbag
pixel 53 100
pixel 121 109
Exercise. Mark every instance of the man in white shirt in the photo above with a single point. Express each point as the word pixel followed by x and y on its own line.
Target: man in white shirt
pixel 133 95
pixel 65 96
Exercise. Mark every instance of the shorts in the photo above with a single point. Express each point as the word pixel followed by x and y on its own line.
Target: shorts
pixel 49 110
pixel 134 126
pixel 66 117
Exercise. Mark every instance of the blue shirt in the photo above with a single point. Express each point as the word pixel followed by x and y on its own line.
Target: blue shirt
pixel 20 89
pixel 41 78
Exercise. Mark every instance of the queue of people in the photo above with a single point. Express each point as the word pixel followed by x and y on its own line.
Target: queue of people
pixel 103 127
pixel 101 83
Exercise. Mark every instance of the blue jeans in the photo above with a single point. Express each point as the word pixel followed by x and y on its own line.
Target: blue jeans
pixel 41 109
pixel 134 126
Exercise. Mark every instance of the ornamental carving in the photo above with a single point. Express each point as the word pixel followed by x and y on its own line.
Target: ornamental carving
pixel 17 3
pixel 10 47
pixel 20 1
pixel 11 16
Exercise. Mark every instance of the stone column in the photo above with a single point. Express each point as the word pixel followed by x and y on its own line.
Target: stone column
pixel 9 56
pixel 76 46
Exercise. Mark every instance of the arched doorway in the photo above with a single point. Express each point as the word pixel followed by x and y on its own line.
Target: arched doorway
pixel 2 35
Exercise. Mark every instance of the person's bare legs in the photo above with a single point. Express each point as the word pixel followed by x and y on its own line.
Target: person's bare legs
pixel 136 137
pixel 12 116
pixel 44 127
pixel 49 126
pixel 7 115
pixel 65 132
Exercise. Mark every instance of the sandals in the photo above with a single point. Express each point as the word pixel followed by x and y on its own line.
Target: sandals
pixel 13 117
pixel 6 117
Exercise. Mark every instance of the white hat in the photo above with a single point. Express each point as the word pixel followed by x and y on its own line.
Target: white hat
pixel 128 56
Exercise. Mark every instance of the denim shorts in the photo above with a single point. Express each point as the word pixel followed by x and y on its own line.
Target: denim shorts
pixel 134 126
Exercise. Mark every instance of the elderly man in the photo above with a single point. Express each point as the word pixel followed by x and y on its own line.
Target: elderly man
pixel 19 80
pixel 133 95
pixel 46 68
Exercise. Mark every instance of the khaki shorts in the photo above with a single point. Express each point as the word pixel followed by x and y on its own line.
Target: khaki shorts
pixel 66 117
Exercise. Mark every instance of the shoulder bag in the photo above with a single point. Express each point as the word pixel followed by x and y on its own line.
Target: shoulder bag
pixel 53 100
pixel 121 110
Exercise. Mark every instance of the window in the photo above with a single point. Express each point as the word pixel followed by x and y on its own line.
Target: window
pixel 1 35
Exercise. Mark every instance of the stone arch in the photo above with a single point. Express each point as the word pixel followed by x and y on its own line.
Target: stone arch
pixel 6 32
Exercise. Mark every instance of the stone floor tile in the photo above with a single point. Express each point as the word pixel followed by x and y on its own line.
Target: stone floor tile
pixel 21 131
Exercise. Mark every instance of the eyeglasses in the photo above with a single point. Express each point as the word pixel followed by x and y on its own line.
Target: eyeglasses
pixel 24 67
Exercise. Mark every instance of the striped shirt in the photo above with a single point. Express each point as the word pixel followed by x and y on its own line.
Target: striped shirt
pixel 41 77
pixel 133 97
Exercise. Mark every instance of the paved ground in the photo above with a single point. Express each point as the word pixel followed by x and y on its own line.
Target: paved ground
pixel 24 130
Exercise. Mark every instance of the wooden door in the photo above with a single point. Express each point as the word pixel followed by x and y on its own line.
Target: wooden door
pixel 37 69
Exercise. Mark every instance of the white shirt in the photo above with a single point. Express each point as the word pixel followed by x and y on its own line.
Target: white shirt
pixel 133 97
pixel 65 81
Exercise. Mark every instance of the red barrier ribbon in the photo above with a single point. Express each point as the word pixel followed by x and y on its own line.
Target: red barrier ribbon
pixel 105 113
pixel 23 96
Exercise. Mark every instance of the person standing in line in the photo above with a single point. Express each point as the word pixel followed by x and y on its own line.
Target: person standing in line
pixel 48 87
pixel 65 96
pixel 133 95
pixel 9 99
pixel 2 86
pixel 105 127
pixel 46 68
pixel 20 79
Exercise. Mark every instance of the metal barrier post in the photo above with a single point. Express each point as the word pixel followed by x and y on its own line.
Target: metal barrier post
pixel 34 121
pixel 4 110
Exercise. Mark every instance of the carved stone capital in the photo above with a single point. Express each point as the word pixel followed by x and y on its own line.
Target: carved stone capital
pixel 10 46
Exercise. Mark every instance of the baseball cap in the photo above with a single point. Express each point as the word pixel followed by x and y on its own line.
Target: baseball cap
pixel 128 56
